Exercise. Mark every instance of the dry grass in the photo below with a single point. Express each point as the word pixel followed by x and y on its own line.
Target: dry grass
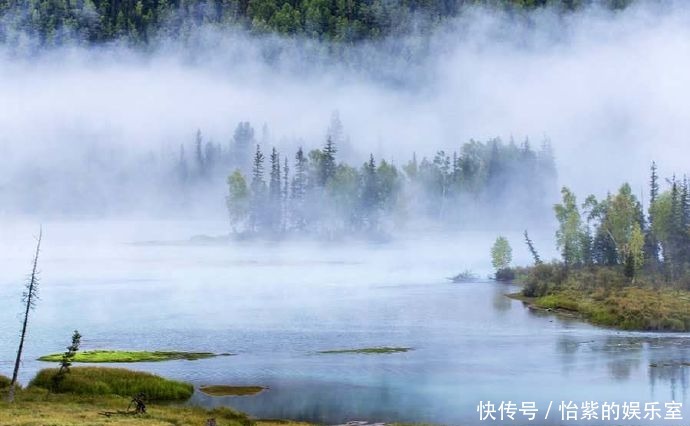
pixel 630 308
pixel 35 407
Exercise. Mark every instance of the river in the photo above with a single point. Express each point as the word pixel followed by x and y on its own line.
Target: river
pixel 138 285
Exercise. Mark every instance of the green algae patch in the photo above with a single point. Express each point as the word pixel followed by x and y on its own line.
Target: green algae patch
pixel 223 390
pixel 368 351
pixel 131 356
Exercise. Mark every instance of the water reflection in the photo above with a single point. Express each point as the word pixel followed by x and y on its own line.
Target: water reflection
pixel 470 342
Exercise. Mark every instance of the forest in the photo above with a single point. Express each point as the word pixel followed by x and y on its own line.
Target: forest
pixel 139 21
pixel 313 192
pixel 620 266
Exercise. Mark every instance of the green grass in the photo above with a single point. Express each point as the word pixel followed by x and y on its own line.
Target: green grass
pixel 114 381
pixel 223 390
pixel 37 407
pixel 603 296
pixel 378 350
pixel 130 356
pixel 4 382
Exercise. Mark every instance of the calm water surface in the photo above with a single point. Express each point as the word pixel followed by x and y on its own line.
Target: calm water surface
pixel 276 305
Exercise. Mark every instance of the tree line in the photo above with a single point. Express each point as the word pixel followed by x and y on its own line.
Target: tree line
pixel 316 192
pixel 616 232
pixel 139 21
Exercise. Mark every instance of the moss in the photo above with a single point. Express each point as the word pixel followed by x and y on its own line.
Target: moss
pixel 223 390
pixel 114 381
pixel 377 350
pixel 130 356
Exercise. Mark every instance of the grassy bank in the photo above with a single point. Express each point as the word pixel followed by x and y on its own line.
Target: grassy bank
pixel 37 407
pixel 604 297
pixel 130 356
pixel 114 381
pixel 101 396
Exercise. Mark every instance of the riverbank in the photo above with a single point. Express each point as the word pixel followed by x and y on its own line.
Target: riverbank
pixel 603 297
pixel 37 407
pixel 100 396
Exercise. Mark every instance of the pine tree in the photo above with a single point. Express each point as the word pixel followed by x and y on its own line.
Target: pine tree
pixel 299 189
pixel 532 250
pixel 182 171
pixel 30 296
pixel 651 246
pixel 328 161
pixel 66 361
pixel 299 181
pixel 286 194
pixel 210 158
pixel 258 187
pixel 370 192
pixel 274 185
pixel 198 141
pixel 243 138
pixel 275 192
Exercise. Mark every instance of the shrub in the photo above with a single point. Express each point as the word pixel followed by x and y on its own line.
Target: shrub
pixel 4 382
pixel 540 279
pixel 114 381
pixel 505 274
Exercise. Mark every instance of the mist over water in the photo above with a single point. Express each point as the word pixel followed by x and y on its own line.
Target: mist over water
pixel 89 134
pixel 608 89
pixel 276 305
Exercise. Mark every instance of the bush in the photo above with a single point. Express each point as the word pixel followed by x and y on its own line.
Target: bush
pixel 540 279
pixel 505 274
pixel 4 382
pixel 114 381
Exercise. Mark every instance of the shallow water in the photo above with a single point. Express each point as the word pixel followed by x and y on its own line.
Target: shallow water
pixel 276 305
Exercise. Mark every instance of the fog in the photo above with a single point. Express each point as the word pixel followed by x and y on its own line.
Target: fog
pixel 608 89
pixel 94 131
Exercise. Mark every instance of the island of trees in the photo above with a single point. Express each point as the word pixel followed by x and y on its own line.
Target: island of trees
pixel 620 265
pixel 314 193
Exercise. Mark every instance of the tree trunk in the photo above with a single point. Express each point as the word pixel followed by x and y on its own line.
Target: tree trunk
pixel 31 290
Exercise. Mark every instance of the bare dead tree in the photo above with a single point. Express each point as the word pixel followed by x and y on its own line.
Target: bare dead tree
pixel 29 299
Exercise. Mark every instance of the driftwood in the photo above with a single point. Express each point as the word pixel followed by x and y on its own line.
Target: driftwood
pixel 138 403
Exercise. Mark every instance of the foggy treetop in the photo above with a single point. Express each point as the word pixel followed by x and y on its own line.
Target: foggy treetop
pixel 138 21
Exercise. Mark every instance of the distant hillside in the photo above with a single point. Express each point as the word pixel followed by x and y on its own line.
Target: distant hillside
pixel 139 21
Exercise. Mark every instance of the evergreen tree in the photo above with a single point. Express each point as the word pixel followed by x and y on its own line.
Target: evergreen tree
pixel 66 361
pixel 30 297
pixel 182 171
pixel 243 139
pixel 328 161
pixel 370 192
pixel 286 194
pixel 275 192
pixel 258 187
pixel 199 155
pixel 532 250
pixel 651 246
pixel 299 189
